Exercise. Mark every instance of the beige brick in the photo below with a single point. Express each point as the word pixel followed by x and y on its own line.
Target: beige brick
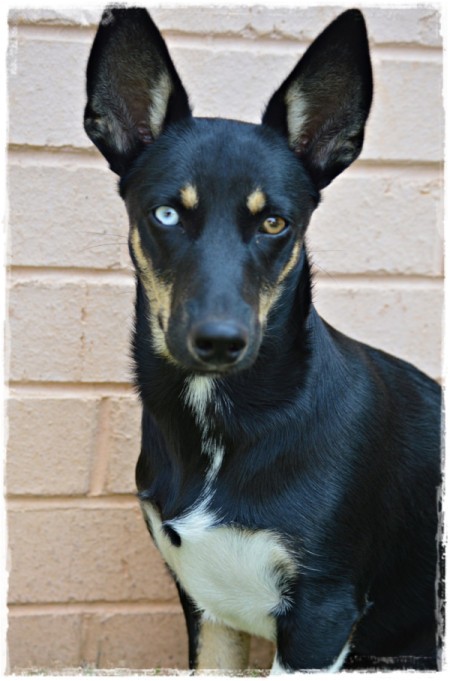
pixel 232 83
pixel 61 554
pixel 110 640
pixel 406 25
pixel 124 444
pixel 51 445
pixel 141 641
pixel 378 223
pixel 47 91
pixel 262 653
pixel 406 122
pixel 54 17
pixel 44 642
pixel 252 23
pixel 85 227
pixel 402 320
pixel 66 331
pixel 45 327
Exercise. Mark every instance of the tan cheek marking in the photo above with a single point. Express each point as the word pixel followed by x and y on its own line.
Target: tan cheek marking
pixel 189 196
pixel 269 296
pixel 159 295
pixel 142 261
pixel 222 648
pixel 293 260
pixel 267 300
pixel 256 201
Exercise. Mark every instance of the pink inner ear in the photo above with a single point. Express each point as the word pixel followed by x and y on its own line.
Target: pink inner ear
pixel 144 133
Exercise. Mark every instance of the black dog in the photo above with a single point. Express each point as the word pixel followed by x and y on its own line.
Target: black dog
pixel 288 474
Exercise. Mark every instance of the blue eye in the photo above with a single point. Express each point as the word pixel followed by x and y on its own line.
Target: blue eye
pixel 167 216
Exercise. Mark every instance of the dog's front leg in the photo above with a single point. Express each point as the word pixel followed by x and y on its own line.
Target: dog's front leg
pixel 315 633
pixel 212 646
pixel 221 648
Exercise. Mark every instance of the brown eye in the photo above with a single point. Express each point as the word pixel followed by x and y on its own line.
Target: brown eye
pixel 273 225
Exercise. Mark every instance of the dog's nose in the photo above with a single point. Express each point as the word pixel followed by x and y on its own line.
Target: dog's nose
pixel 218 343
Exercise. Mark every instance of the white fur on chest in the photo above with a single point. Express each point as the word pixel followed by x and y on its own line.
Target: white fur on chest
pixel 198 392
pixel 235 576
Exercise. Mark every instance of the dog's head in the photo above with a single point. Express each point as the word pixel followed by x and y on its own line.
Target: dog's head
pixel 218 209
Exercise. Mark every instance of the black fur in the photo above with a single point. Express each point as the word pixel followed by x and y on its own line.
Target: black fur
pixel 332 444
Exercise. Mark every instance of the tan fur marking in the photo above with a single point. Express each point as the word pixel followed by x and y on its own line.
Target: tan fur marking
pixel 267 300
pixel 160 95
pixel 297 110
pixel 159 295
pixel 141 259
pixel 269 297
pixel 189 196
pixel 293 260
pixel 256 201
pixel 222 648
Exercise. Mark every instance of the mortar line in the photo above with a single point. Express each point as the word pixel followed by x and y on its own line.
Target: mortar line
pixel 88 157
pixel 23 502
pixel 58 277
pixel 70 390
pixel 290 46
pixel 99 471
pixel 377 281
pixel 92 607
pixel 18 274
pixel 65 156
pixel 243 39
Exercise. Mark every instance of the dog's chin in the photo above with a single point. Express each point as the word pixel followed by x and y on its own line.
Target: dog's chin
pixel 220 371
pixel 192 366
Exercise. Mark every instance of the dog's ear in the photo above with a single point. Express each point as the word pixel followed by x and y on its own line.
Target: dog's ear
pixel 133 89
pixel 323 105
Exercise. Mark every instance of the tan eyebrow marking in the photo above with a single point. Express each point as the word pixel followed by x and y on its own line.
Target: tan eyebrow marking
pixel 256 201
pixel 189 196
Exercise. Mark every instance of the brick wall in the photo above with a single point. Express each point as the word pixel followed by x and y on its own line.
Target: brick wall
pixel 86 587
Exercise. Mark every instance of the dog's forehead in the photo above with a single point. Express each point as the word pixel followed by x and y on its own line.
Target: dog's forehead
pixel 208 159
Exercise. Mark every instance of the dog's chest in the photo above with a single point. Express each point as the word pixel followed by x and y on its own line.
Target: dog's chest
pixel 236 576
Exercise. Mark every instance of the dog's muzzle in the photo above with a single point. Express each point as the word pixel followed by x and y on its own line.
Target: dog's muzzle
pixel 218 344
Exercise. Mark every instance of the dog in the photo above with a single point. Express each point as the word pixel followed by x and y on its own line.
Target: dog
pixel 288 474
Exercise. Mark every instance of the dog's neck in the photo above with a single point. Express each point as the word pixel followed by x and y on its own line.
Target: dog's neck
pixel 205 420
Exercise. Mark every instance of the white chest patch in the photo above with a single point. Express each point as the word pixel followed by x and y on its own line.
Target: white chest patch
pixel 235 576
pixel 198 392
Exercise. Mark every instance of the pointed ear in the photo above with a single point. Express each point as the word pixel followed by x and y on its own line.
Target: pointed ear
pixel 133 90
pixel 322 107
